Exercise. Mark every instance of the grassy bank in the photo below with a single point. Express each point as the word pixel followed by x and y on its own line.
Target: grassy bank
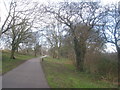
pixel 8 64
pixel 62 74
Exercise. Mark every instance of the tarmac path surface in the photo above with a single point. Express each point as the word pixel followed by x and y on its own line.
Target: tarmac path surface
pixel 26 75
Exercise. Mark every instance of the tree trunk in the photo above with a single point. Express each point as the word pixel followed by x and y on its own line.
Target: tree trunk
pixel 118 51
pixel 35 53
pixel 57 52
pixel 27 52
pixel 79 58
pixel 12 54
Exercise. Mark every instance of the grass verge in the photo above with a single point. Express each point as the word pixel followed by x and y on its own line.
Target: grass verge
pixel 61 73
pixel 8 64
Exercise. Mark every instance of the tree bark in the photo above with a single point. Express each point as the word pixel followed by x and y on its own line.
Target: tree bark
pixel 79 58
pixel 118 51
pixel 12 54
pixel 79 48
pixel 35 53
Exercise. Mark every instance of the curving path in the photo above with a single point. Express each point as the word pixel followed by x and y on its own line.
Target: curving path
pixel 27 75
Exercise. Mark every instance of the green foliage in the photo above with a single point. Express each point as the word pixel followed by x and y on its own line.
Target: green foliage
pixel 8 64
pixel 61 73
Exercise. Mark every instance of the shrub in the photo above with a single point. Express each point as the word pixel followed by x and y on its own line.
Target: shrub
pixel 102 65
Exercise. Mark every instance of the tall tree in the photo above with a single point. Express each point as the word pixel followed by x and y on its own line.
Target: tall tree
pixel 53 34
pixel 111 29
pixel 19 9
pixel 74 14
pixel 18 23
pixel 18 35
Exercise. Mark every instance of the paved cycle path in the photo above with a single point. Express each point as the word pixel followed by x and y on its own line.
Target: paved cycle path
pixel 27 75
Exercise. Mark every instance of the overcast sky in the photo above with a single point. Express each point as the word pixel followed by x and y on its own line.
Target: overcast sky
pixel 3 2
pixel 3 13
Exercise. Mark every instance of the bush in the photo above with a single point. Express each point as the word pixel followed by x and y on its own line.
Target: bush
pixel 102 65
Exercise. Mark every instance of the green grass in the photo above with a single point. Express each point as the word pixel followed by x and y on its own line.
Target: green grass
pixel 61 73
pixel 8 64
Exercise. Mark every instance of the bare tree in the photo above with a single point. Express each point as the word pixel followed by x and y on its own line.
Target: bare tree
pixel 111 28
pixel 53 34
pixel 17 9
pixel 74 14
pixel 18 24
pixel 36 44
pixel 18 35
pixel 8 21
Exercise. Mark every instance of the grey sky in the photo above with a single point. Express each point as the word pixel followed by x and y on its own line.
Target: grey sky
pixel 3 11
